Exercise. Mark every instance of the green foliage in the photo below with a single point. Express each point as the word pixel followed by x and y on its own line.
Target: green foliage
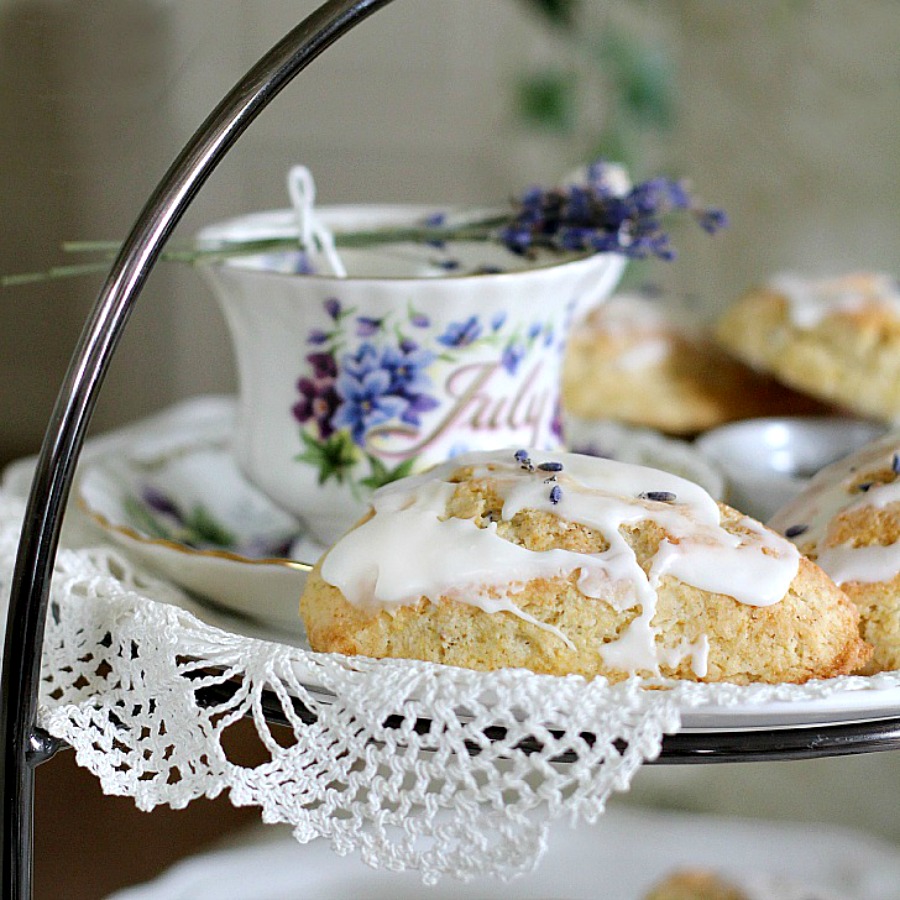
pixel 205 530
pixel 143 520
pixel 198 528
pixel 562 14
pixel 611 90
pixel 381 474
pixel 546 100
pixel 334 457
pixel 641 76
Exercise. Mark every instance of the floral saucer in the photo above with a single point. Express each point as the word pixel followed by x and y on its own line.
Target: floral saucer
pixel 173 497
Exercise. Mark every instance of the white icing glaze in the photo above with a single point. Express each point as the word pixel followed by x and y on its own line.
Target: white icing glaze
pixel 809 301
pixel 864 565
pixel 645 355
pixel 408 550
pixel 626 315
pixel 831 493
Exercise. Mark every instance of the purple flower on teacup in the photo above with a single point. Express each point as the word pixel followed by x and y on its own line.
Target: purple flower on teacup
pixel 323 365
pixel 461 334
pixel 318 395
pixel 407 365
pixel 364 388
pixel 513 354
pixel 366 326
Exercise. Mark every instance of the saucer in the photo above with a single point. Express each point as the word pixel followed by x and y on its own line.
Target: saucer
pixel 768 461
pixel 172 496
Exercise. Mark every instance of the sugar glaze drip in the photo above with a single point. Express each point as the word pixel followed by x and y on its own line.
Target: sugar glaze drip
pixel 408 549
pixel 834 491
pixel 810 301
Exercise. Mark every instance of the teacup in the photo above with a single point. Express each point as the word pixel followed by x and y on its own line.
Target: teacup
pixel 346 383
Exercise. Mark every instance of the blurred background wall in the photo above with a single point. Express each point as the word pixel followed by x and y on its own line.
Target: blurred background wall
pixel 782 111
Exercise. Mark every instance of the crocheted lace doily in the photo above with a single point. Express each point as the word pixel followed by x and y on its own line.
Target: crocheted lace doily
pixel 411 765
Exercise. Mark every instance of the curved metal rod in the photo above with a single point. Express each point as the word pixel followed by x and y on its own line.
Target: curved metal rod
pixel 77 399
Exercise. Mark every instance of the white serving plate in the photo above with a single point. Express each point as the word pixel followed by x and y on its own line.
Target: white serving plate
pixel 857 699
pixel 620 857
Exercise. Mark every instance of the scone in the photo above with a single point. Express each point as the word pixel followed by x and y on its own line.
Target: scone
pixel 632 361
pixel 695 884
pixel 576 564
pixel 837 339
pixel 848 520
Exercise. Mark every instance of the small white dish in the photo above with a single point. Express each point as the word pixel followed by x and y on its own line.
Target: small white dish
pixel 174 499
pixel 769 461
pixel 644 447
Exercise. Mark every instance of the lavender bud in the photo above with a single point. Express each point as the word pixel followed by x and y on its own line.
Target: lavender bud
pixel 659 496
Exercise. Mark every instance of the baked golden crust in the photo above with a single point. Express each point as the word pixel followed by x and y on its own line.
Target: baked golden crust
pixel 695 884
pixel 644 370
pixel 811 633
pixel 848 355
pixel 854 523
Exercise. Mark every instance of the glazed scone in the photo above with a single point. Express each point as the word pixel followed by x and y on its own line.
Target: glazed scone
pixel 633 361
pixel 837 339
pixel 695 884
pixel 848 520
pixel 576 564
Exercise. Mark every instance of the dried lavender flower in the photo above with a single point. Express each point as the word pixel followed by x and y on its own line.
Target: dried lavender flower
pixel 659 496
pixel 524 460
pixel 592 218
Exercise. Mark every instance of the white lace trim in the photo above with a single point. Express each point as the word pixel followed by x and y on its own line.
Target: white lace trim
pixel 124 658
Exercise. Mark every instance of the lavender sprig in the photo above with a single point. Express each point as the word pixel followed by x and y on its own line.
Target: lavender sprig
pixel 593 218
pixel 585 218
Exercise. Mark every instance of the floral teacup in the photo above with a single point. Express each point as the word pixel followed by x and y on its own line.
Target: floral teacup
pixel 421 353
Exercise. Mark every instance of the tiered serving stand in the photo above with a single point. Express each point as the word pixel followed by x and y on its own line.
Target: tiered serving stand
pixel 24 744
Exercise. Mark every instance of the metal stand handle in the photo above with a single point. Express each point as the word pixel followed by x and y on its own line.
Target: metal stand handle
pixel 77 399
